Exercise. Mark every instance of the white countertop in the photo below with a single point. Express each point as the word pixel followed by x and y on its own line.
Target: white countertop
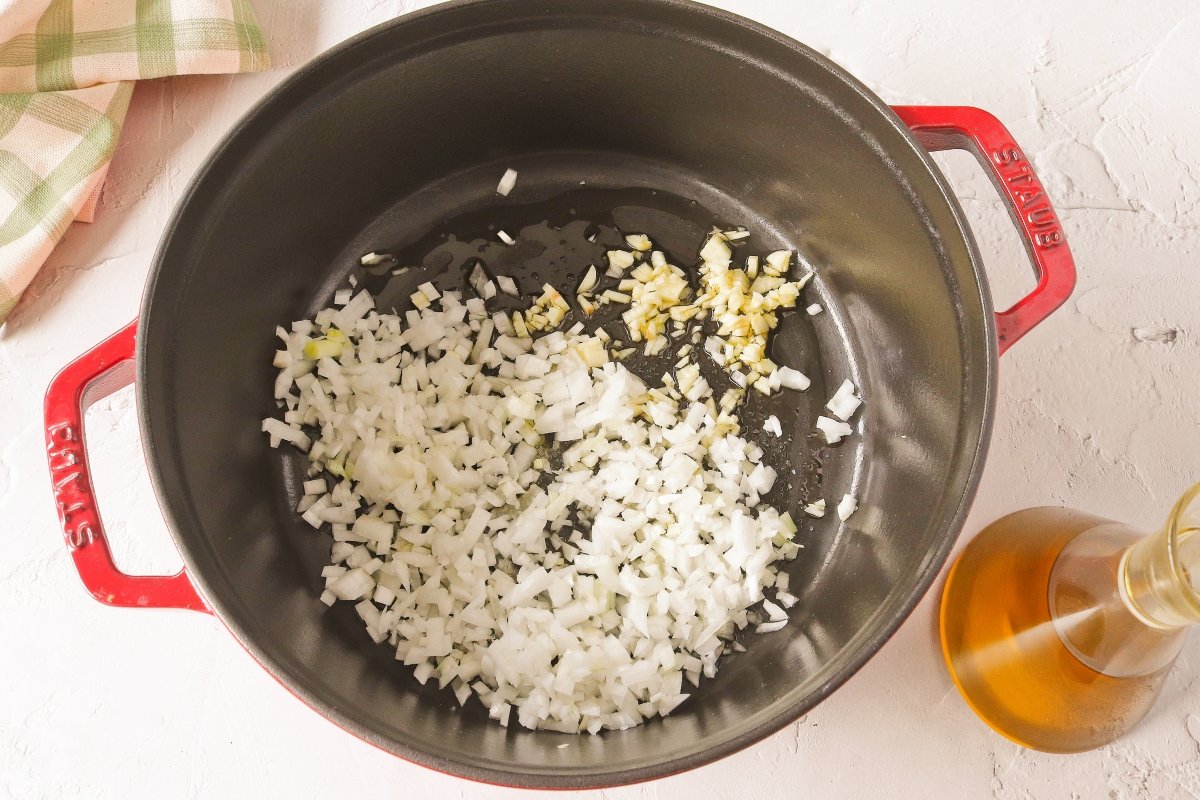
pixel 1098 409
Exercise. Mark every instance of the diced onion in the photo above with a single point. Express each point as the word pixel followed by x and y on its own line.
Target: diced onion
pixel 833 430
pixel 507 285
pixel 793 379
pixel 507 182
pixel 578 597
pixel 815 508
pixel 372 259
pixel 847 506
pixel 844 403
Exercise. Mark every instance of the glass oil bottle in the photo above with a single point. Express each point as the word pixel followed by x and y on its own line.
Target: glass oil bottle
pixel 1059 627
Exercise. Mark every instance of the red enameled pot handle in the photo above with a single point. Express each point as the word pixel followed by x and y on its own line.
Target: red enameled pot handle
pixel 96 374
pixel 984 136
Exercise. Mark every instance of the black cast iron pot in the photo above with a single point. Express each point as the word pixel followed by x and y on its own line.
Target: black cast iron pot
pixel 669 113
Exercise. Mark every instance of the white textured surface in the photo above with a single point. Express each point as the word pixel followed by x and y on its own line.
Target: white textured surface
pixel 1098 409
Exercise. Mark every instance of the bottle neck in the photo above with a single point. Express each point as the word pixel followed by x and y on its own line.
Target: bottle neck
pixel 1160 576
pixel 1155 584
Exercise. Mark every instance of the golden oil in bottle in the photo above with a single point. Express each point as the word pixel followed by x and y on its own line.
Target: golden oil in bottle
pixel 1059 628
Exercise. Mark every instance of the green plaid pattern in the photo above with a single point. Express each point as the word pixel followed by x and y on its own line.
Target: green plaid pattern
pixel 66 74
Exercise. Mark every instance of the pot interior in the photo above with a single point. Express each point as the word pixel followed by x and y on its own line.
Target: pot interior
pixel 662 117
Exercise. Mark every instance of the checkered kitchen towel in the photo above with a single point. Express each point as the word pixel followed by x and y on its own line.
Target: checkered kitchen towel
pixel 66 74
